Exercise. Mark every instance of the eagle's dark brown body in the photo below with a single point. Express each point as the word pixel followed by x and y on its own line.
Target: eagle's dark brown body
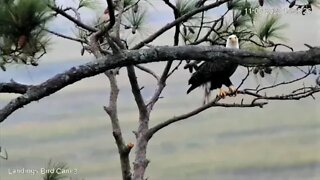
pixel 217 73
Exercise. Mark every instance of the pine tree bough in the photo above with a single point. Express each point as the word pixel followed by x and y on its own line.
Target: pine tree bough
pixel 158 54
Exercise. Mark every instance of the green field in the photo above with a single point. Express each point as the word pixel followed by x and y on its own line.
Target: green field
pixel 278 142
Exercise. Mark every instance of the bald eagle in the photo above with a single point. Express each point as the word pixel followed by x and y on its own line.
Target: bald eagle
pixel 216 73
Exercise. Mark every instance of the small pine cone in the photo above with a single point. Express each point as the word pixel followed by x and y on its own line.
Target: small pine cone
pixel 261 72
pixel 261 2
pixel 135 8
pixel 22 41
pixel 267 70
pixel 292 3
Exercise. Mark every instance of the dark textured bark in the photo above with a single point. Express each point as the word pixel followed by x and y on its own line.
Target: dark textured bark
pixel 112 111
pixel 111 15
pixel 123 149
pixel 14 87
pixel 141 162
pixel 157 54
pixel 136 91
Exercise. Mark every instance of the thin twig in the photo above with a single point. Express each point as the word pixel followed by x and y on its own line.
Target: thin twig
pixel 244 79
pixel 111 15
pixel 149 71
pixel 177 21
pixel 74 20
pixel 282 83
pixel 65 36
pixel 174 69
pixel 6 156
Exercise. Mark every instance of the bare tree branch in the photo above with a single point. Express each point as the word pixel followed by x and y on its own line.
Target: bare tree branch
pixel 173 7
pixel 177 21
pixel 149 71
pixel 74 20
pixel 104 31
pixel 162 81
pixel 111 15
pixel 285 82
pixel 65 36
pixel 244 79
pixel 213 103
pixel 14 87
pixel 124 150
pixel 136 90
pixel 212 29
pixel 157 54
pixel 174 69
pixel 75 11
pixel 112 109
pixel 295 95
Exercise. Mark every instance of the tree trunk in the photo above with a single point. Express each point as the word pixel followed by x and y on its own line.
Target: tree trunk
pixel 141 162
pixel 125 165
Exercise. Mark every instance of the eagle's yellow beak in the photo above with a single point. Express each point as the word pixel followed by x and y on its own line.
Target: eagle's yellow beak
pixel 233 40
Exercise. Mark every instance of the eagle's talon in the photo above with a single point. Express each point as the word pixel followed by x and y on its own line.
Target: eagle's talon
pixel 232 91
pixel 216 73
pixel 222 94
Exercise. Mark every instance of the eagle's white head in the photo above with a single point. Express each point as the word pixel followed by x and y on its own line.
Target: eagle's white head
pixel 232 42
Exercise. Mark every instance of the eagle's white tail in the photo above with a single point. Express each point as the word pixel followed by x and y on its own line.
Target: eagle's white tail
pixel 207 93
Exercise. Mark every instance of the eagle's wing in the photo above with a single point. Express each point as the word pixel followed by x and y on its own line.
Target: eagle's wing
pixel 215 71
pixel 217 66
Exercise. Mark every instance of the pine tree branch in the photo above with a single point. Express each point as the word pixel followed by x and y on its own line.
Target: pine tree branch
pixel 178 21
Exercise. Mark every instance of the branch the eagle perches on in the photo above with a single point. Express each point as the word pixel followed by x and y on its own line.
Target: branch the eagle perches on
pixel 158 54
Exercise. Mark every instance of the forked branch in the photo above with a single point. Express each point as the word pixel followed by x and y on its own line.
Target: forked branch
pixel 157 54
pixel 124 150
